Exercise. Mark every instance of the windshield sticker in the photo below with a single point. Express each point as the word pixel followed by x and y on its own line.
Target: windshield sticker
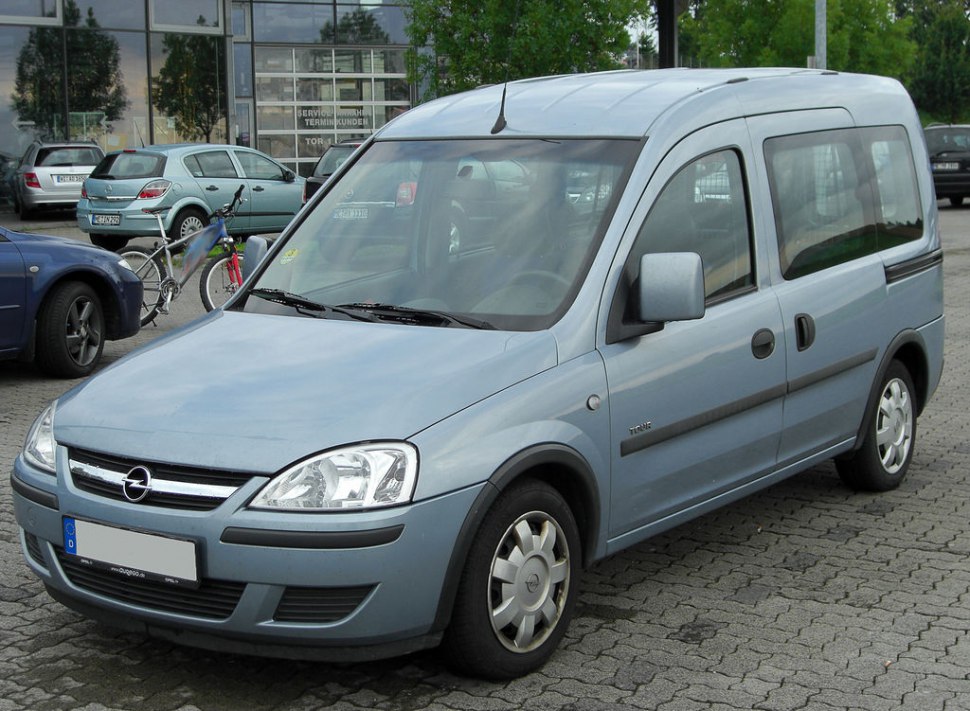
pixel 289 255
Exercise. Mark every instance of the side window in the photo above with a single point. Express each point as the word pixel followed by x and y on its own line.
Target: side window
pixel 840 195
pixel 212 164
pixel 703 209
pixel 258 167
pixel 899 213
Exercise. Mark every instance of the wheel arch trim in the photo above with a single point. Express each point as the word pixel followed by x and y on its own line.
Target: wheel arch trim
pixel 563 468
pixel 909 348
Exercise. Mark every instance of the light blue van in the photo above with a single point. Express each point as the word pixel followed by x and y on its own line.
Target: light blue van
pixel 521 329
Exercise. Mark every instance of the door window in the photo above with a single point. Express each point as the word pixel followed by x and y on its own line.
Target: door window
pixel 211 164
pixel 259 168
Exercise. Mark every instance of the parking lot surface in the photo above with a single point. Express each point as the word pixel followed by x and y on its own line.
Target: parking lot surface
pixel 804 596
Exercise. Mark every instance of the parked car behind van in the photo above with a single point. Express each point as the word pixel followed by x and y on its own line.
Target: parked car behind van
pixel 334 157
pixel 672 288
pixel 949 148
pixel 50 175
pixel 192 181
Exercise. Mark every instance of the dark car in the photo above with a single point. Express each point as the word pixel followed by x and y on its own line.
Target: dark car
pixel 949 149
pixel 50 175
pixel 332 158
pixel 60 300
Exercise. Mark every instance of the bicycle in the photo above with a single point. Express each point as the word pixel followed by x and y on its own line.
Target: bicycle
pixel 163 283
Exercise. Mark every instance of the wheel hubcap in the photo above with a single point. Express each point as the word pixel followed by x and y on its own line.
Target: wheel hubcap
pixel 190 225
pixel 529 582
pixel 83 331
pixel 894 425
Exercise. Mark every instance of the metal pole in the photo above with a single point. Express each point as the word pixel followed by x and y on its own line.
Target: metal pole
pixel 820 34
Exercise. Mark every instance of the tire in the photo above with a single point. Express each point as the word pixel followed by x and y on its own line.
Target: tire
pixel 534 587
pixel 152 273
pixel 70 331
pixel 882 461
pixel 189 220
pixel 957 200
pixel 215 284
pixel 113 243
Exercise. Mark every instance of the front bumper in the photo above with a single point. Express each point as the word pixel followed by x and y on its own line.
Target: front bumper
pixel 323 586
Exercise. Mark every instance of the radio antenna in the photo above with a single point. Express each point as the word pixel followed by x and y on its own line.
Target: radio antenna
pixel 500 122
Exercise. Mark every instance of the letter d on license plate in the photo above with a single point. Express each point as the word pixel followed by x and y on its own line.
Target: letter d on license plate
pixel 133 554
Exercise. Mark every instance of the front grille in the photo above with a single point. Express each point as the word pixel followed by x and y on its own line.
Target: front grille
pixel 213 599
pixel 173 486
pixel 300 604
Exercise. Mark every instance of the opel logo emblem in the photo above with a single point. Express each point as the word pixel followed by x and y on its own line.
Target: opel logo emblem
pixel 137 483
pixel 532 583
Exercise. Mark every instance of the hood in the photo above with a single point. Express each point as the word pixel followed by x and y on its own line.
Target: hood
pixel 254 392
pixel 26 238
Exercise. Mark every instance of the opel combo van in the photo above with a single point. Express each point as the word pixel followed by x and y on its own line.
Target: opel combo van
pixel 521 329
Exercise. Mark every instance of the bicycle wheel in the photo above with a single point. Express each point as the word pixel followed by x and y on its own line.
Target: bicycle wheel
pixel 218 282
pixel 152 273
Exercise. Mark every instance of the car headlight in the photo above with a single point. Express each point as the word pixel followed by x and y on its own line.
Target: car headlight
pixel 361 477
pixel 40 446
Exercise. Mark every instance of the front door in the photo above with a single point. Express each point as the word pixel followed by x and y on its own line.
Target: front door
pixel 696 407
pixel 12 295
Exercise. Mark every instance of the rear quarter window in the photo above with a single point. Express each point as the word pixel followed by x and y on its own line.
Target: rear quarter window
pixel 841 195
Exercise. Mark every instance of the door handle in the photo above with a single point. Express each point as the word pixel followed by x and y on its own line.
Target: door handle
pixel 804 331
pixel 212 188
pixel 763 343
pixel 258 189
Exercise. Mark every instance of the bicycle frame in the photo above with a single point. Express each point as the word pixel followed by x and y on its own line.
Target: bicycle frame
pixel 195 253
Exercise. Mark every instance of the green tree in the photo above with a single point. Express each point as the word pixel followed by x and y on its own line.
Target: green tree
pixel 863 35
pixel 462 44
pixel 940 82
pixel 189 87
pixel 95 83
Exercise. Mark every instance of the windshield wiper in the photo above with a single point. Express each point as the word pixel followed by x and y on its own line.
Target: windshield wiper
pixel 423 316
pixel 302 304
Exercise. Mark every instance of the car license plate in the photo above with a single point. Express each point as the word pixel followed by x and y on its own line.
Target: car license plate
pixel 351 213
pixel 136 555
pixel 946 166
pixel 69 178
pixel 105 219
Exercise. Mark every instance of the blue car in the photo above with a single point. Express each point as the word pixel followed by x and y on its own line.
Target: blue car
pixel 60 300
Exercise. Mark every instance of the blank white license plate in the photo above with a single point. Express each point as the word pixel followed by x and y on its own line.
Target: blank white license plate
pixel 105 219
pixel 69 178
pixel 140 556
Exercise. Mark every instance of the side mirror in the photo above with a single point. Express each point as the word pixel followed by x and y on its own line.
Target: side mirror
pixel 256 248
pixel 288 176
pixel 671 287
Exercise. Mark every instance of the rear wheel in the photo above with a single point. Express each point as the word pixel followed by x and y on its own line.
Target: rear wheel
pixel 189 220
pixel 518 589
pixel 114 243
pixel 218 282
pixel 152 273
pixel 956 200
pixel 882 461
pixel 70 331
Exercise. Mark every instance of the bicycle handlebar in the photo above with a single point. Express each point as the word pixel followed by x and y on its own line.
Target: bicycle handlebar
pixel 229 209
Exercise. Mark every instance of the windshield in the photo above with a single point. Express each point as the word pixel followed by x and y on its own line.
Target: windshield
pixel 954 139
pixel 499 233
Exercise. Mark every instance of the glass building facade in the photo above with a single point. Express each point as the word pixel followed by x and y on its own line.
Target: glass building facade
pixel 288 78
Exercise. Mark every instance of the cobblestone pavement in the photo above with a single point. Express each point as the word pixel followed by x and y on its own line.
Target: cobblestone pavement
pixel 805 596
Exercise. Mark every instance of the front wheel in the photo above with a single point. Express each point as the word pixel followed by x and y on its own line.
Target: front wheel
pixel 113 243
pixel 70 331
pixel 518 589
pixel 152 272
pixel 880 464
pixel 956 200
pixel 220 280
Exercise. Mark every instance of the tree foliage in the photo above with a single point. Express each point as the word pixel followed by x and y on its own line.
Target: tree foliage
pixel 465 43
pixel 940 83
pixel 863 35
pixel 188 87
pixel 95 84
